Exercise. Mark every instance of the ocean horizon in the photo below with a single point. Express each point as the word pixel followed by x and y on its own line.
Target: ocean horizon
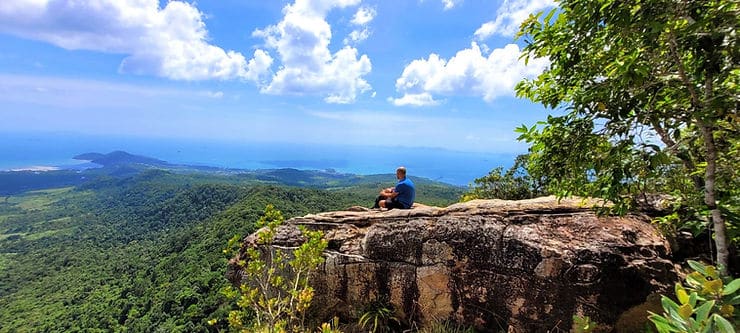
pixel 23 151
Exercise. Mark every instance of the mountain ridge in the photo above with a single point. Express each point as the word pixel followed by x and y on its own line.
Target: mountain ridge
pixel 119 157
pixel 121 165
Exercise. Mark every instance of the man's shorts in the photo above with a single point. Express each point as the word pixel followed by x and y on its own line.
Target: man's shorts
pixel 393 203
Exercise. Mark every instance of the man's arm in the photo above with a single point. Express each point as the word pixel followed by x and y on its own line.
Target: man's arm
pixel 389 193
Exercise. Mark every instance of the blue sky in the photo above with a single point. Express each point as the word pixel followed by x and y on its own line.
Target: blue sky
pixel 431 73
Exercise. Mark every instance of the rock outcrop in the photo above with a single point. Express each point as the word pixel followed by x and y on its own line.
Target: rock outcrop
pixel 521 266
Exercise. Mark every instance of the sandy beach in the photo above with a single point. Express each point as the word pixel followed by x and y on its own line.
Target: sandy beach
pixel 37 168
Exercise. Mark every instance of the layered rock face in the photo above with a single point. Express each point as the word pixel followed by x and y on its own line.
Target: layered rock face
pixel 517 266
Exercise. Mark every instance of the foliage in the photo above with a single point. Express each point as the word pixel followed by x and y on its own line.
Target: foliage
pixel 428 191
pixel 332 327
pixel 650 94
pixel 138 253
pixel 583 324
pixel 379 318
pixel 276 288
pixel 706 304
pixel 514 184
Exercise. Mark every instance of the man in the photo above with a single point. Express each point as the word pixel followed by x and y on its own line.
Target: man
pixel 402 196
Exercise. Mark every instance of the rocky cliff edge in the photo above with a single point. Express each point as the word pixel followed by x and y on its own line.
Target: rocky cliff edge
pixel 517 266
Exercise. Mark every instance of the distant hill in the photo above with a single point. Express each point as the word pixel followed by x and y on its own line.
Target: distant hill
pixel 119 165
pixel 120 157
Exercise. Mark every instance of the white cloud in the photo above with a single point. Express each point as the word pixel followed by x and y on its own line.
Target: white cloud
pixel 510 16
pixel 449 4
pixel 363 16
pixel 357 36
pixel 421 99
pixel 469 72
pixel 259 66
pixel 171 42
pixel 301 40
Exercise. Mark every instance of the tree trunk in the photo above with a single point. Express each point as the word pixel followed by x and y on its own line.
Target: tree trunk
pixel 686 159
pixel 720 230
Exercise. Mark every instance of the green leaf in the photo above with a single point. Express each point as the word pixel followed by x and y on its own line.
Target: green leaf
pixel 661 323
pixel 668 304
pixel 707 328
pixel 731 287
pixel 697 266
pixel 722 324
pixel 702 312
pixel 695 279
pixel 521 129
pixel 550 14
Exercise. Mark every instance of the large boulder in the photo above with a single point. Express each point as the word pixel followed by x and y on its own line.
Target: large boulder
pixel 521 266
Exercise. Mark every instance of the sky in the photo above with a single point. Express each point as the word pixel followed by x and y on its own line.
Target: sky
pixel 411 73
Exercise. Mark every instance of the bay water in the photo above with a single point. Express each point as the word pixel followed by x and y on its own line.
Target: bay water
pixel 21 150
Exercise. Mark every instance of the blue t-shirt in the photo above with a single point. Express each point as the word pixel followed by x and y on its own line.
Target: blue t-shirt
pixel 406 192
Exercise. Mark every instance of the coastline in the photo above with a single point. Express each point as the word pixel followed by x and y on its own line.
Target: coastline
pixel 452 167
pixel 35 168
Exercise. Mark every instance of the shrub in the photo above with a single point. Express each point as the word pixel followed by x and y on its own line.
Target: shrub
pixel 276 290
pixel 706 304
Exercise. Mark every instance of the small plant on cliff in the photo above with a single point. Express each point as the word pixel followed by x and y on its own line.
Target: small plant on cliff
pixel 275 287
pixel 379 317
pixel 706 304
pixel 584 324
pixel 332 327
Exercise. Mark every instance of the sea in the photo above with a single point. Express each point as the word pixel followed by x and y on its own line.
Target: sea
pixel 56 150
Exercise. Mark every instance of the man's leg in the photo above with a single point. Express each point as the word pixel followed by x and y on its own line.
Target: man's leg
pixel 378 200
pixel 390 204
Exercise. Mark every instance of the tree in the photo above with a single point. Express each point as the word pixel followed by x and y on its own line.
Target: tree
pixel 628 72
pixel 514 184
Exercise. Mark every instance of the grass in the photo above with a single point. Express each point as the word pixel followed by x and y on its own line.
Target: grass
pixel 48 233
pixel 35 202
pixel 38 200
pixel 38 235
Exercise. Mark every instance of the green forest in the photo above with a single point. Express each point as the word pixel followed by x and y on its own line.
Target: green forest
pixel 143 252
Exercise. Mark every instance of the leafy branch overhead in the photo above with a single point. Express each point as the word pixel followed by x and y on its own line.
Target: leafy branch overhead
pixel 650 94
